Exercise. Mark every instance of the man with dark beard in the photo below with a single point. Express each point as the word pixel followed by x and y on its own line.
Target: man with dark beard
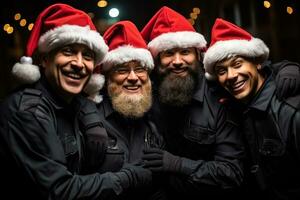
pixel 203 142
pixel 204 148
pixel 126 100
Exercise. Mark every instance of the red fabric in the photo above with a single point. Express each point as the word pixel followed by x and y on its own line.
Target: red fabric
pixel 123 33
pixel 54 16
pixel 164 21
pixel 224 30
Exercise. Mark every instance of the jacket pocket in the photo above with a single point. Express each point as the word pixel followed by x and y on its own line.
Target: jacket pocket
pixel 200 135
pixel 70 145
pixel 114 159
pixel 272 148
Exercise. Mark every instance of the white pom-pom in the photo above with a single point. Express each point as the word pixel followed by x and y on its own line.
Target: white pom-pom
pixel 25 71
pixel 95 84
pixel 210 77
pixel 26 60
pixel 97 98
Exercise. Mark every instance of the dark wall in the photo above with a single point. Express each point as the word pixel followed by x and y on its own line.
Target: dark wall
pixel 279 30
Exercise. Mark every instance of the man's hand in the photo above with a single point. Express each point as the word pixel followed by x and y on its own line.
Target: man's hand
pixel 158 160
pixel 134 176
pixel 288 80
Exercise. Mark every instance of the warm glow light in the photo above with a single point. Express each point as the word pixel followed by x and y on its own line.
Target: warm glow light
pixel 289 10
pixel 193 16
pixel 191 21
pixel 17 16
pixel 102 3
pixel 267 4
pixel 196 10
pixel 5 27
pixel 10 30
pixel 23 22
pixel 30 26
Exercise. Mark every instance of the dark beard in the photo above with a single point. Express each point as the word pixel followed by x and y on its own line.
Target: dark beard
pixel 177 91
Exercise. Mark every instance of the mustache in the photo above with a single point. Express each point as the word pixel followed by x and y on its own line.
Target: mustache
pixel 168 72
pixel 80 72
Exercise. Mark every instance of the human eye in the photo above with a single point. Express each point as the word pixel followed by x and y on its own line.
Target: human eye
pixel 67 50
pixel 140 70
pixel 220 71
pixel 89 55
pixel 185 51
pixel 237 64
pixel 122 70
pixel 167 53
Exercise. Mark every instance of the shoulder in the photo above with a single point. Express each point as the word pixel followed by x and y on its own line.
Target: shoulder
pixel 294 101
pixel 27 100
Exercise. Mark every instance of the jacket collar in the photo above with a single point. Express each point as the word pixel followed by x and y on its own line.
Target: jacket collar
pixel 107 107
pixel 200 88
pixel 49 92
pixel 263 98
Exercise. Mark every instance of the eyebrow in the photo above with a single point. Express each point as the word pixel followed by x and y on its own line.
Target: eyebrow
pixel 230 62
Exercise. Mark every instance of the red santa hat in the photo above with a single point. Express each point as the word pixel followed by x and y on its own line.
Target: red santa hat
pixel 168 29
pixel 228 40
pixel 59 25
pixel 125 44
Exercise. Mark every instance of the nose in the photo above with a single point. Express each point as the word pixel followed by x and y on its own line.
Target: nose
pixel 232 73
pixel 177 60
pixel 132 77
pixel 77 62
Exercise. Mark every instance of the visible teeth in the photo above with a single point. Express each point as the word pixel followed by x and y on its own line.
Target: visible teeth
pixel 132 87
pixel 77 76
pixel 238 85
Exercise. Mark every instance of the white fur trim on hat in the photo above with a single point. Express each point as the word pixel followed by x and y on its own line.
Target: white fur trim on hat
pixel 254 48
pixel 182 39
pixel 127 53
pixel 25 71
pixel 68 34
pixel 94 86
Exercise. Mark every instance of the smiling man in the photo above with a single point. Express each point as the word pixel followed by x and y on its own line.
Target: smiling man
pixel 271 127
pixel 240 77
pixel 203 146
pixel 42 145
pixel 127 98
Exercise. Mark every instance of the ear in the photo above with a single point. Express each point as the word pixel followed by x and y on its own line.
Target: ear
pixel 199 55
pixel 44 59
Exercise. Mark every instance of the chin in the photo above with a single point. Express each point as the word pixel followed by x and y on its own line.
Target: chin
pixel 73 91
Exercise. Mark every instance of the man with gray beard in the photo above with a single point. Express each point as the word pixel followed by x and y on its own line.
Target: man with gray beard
pixel 127 97
pixel 135 104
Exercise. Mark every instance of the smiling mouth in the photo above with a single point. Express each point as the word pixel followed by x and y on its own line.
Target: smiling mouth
pixel 179 70
pixel 72 75
pixel 236 87
pixel 132 88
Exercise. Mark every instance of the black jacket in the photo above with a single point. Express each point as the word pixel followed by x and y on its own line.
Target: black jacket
pixel 272 129
pixel 41 150
pixel 126 139
pixel 207 139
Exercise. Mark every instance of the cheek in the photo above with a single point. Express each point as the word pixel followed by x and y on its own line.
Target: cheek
pixel 165 62
pixel 145 79
pixel 117 80
pixel 90 67
pixel 221 80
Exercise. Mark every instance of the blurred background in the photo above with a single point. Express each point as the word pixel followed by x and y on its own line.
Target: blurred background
pixel 274 21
